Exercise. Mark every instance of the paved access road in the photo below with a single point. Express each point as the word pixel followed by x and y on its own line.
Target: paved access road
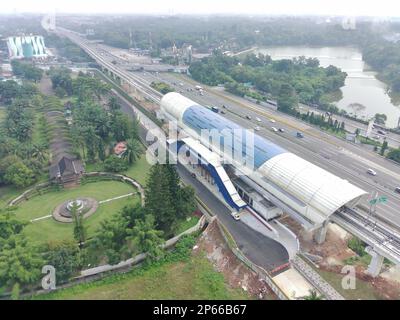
pixel 343 159
pixel 261 250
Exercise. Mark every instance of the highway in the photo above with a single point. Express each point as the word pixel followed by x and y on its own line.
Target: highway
pixel 346 160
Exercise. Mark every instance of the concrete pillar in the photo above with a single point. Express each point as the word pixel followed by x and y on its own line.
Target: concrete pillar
pixel 320 233
pixel 375 266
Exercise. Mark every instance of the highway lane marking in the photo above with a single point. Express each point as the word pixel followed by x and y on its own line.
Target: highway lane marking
pixel 371 164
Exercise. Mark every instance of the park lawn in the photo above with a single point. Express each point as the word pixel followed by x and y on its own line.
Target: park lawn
pixel 139 170
pixel 7 193
pixel 186 224
pixel 363 290
pixel 194 279
pixel 43 205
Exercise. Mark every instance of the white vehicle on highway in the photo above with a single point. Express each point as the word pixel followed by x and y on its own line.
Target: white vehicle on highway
pixel 258 119
pixel 257 128
pixel 371 172
pixel 272 120
pixel 235 215
pixel 274 129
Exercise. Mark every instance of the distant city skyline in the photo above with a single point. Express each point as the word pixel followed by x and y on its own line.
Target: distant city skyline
pixel 382 8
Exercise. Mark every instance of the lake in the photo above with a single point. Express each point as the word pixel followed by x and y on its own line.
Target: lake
pixel 361 85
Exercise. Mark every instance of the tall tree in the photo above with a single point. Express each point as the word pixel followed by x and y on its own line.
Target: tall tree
pixel 146 238
pixel 19 120
pixel 79 227
pixel 287 98
pixel 19 262
pixel 159 200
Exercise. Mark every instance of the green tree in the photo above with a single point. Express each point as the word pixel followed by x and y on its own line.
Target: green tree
pixel 113 104
pixel 111 236
pixel 15 291
pixel 133 151
pixel 147 239
pixel 287 98
pixel 384 147
pixel 115 164
pixel 19 175
pixel 166 200
pixel 19 262
pixel 9 226
pixel 19 120
pixel 380 118
pixel 65 257
pixel 79 227
pixel 394 155
pixel 160 200
pixel 313 296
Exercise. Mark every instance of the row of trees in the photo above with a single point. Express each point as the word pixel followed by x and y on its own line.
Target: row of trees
pixel 384 56
pixel 290 81
pixel 26 70
pixel 22 159
pixel 322 121
pixel 97 126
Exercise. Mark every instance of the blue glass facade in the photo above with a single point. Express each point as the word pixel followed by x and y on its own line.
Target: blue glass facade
pixel 234 136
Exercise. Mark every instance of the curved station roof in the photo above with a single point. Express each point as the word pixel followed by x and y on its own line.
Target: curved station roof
pixel 320 192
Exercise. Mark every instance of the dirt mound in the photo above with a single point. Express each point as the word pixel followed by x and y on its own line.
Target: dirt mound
pixel 235 272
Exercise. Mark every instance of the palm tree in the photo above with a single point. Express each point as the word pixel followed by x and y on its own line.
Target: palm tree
pixel 133 151
pixel 313 296
pixel 39 152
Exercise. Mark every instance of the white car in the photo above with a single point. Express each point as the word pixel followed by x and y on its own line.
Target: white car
pixel 235 216
pixel 272 120
pixel 371 172
pixel 274 129
pixel 258 119
pixel 257 128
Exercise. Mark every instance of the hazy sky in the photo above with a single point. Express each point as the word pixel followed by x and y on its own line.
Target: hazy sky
pixel 300 7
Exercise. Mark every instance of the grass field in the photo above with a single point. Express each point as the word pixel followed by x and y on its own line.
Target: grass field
pixel 195 279
pixel 363 290
pixel 43 205
pixel 137 171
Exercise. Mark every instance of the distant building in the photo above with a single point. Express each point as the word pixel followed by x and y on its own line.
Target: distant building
pixel 26 47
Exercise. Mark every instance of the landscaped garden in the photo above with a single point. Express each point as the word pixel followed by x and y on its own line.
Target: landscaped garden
pixel 42 206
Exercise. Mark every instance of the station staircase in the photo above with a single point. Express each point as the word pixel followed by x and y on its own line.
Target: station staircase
pixel 226 186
